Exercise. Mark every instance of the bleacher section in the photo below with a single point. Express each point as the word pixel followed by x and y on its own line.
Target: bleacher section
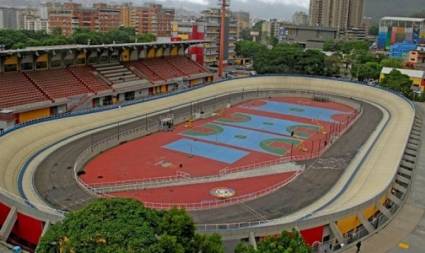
pixel 116 73
pixel 58 83
pixel 167 68
pixel 186 65
pixel 85 75
pixel 146 71
pixel 16 89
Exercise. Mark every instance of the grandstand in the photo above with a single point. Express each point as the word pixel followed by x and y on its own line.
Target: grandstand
pixel 45 81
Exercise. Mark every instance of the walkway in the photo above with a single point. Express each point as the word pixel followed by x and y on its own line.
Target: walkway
pixel 408 227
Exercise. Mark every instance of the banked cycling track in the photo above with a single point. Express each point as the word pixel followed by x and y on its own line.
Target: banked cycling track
pixel 367 179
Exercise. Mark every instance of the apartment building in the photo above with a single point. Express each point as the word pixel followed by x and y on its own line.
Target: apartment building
pixel 211 18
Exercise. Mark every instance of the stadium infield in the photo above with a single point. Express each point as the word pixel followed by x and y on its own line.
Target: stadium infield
pixel 64 193
pixel 251 132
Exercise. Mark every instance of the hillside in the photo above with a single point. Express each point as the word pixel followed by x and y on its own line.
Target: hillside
pixel 379 8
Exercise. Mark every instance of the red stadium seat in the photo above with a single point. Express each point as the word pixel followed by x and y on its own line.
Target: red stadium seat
pixel 16 89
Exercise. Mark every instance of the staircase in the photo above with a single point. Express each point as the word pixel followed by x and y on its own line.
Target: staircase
pixel 116 73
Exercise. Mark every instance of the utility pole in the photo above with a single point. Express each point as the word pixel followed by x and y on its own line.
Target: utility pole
pixel 223 10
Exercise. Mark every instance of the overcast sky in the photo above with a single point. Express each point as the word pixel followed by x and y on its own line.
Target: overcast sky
pixel 281 9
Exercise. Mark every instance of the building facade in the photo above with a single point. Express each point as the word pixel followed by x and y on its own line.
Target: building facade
pixel 101 17
pixel 393 30
pixel 300 18
pixel 211 20
pixel 72 16
pixel 243 22
pixel 11 18
pixel 150 18
pixel 340 14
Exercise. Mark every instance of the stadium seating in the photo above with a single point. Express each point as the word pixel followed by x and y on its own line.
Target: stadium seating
pixel 186 65
pixel 16 89
pixel 167 68
pixel 85 75
pixel 145 70
pixel 59 83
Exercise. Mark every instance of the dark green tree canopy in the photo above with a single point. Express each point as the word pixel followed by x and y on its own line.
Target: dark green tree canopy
pixel 287 242
pixel 398 82
pixel 14 39
pixel 121 225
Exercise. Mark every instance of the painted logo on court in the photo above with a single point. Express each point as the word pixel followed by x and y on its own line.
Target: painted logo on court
pixel 223 192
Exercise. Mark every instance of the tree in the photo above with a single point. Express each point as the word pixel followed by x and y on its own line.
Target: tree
pixel 146 37
pixel 332 65
pixel 312 62
pixel 392 63
pixel 287 242
pixel 374 30
pixel 250 49
pixel 246 34
pixel 369 70
pixel 126 226
pixel 396 81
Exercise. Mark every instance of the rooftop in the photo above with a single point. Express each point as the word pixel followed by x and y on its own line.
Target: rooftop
pixel 404 19
pixel 82 47
pixel 409 72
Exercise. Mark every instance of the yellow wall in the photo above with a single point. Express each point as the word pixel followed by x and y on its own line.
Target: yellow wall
pixel 125 55
pixel 42 58
pixel 11 60
pixel 348 223
pixel 151 53
pixel 416 81
pixel 36 114
pixel 159 52
pixel 351 222
pixel 174 51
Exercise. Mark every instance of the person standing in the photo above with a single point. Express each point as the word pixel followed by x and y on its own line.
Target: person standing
pixel 358 246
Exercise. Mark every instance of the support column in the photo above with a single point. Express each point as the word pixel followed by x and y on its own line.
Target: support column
pixel 252 240
pixel 399 188
pixel 7 227
pixel 336 232
pixel 394 199
pixel 384 210
pixel 45 228
pixel 365 223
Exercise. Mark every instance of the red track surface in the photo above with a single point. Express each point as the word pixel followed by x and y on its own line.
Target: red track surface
pixel 201 192
pixel 146 158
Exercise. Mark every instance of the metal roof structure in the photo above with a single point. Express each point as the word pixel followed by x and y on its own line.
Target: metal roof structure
pixel 103 46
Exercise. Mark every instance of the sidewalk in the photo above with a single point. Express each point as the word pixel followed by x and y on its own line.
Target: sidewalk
pixel 408 227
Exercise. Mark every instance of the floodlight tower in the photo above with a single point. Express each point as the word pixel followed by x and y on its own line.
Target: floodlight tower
pixel 224 4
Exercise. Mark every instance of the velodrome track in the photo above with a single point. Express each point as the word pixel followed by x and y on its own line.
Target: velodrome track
pixel 358 185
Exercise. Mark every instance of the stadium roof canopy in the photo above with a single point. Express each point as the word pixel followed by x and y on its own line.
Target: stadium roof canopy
pixel 103 46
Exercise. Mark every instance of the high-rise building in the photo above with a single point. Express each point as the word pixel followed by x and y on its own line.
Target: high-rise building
pixel 340 14
pixel 243 22
pixel 72 16
pixel 11 18
pixel 149 18
pixel 300 18
pixel 211 20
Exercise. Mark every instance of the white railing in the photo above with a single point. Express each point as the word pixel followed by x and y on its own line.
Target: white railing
pixel 223 202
